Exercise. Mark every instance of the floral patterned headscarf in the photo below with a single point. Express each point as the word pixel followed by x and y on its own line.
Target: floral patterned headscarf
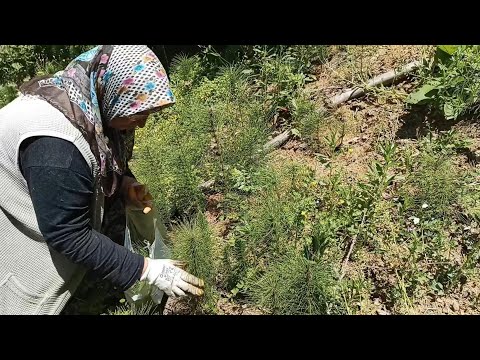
pixel 103 83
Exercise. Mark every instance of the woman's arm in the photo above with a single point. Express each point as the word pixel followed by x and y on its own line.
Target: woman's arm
pixel 61 188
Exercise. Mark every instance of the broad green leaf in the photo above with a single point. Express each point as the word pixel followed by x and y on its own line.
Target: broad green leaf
pixel 296 132
pixel 426 92
pixel 444 53
pixel 449 49
pixel 17 66
pixel 449 112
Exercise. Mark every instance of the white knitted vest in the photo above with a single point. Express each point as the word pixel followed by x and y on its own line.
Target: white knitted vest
pixel 34 279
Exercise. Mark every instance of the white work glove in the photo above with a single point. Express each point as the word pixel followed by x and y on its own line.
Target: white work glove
pixel 167 276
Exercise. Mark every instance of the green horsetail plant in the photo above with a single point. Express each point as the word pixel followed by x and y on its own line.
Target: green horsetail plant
pixel 308 120
pixel 433 184
pixel 274 221
pixel 186 73
pixel 147 308
pixel 193 243
pixel 297 286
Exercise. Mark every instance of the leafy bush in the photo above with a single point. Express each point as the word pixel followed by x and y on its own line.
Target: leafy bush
pixel 20 62
pixel 214 130
pixel 453 87
pixel 7 94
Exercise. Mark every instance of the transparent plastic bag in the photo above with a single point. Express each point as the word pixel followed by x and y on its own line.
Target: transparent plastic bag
pixel 145 234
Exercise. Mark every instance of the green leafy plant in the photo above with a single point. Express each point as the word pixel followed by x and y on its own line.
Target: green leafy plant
pixel 453 87
pixel 7 94
pixel 20 62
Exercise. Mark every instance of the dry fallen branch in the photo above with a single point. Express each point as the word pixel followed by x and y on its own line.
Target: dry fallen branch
pixel 387 78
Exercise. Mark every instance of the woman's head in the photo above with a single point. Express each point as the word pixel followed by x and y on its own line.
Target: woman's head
pixel 106 92
pixel 132 82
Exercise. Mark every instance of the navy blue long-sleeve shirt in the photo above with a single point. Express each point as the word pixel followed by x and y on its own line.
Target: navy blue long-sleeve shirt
pixel 61 186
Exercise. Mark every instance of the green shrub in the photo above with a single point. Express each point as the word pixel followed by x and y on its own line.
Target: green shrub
pixel 20 62
pixel 215 130
pixel 194 243
pixel 272 222
pixel 297 286
pixel 7 94
pixel 308 121
pixel 433 185
pixel 453 86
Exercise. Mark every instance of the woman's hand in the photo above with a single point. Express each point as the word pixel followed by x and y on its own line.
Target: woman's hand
pixel 136 195
pixel 168 276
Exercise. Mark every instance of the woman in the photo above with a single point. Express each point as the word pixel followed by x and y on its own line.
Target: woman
pixel 64 147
